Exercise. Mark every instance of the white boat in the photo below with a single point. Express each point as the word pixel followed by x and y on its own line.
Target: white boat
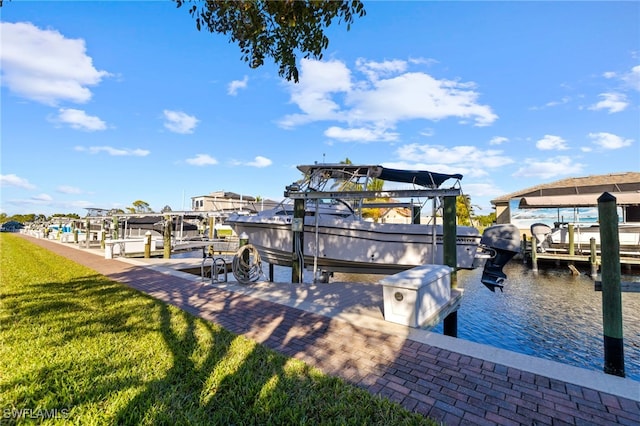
pixel 337 239
pixel 559 236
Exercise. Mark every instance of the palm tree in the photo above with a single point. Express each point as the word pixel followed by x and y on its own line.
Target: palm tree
pixel 464 209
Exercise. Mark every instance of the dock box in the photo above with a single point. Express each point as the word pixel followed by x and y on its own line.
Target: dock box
pixel 413 296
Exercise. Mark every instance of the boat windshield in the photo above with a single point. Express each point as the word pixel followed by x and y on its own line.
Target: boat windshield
pixel 325 207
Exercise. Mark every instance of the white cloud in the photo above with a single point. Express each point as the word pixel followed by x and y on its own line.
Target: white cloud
pixel 630 79
pixel 202 160
pixel 549 142
pixel 549 168
pixel 258 162
pixel 427 132
pixel 78 119
pixel 65 189
pixel 235 85
pixel 44 66
pixel 464 159
pixel 179 122
pixel 387 95
pixel 498 140
pixel 42 198
pixel 13 180
pixel 483 190
pixel 117 152
pixel 609 141
pixel 613 102
pixel 374 70
pixel 360 134
pixel 318 82
pixel 564 100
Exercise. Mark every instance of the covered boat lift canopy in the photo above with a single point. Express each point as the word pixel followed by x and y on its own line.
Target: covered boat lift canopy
pixel 577 200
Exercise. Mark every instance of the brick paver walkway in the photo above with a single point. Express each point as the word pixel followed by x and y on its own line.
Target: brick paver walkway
pixel 446 386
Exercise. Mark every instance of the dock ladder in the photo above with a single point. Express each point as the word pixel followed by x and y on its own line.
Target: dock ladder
pixel 218 269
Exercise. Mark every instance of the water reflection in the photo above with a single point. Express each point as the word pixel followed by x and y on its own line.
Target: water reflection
pixel 551 314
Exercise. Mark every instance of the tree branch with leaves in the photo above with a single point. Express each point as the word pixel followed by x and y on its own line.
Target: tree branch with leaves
pixel 277 29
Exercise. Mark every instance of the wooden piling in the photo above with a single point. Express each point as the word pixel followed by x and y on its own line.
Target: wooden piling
pixel 167 237
pixel 297 264
pixel 103 234
pixel 147 245
pixel 449 231
pixel 534 256
pixel 611 292
pixel 87 226
pixel 572 247
pixel 593 257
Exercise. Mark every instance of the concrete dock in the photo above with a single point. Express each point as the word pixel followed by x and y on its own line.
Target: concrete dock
pixel 340 328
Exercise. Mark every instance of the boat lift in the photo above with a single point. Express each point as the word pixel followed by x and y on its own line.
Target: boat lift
pixel 318 176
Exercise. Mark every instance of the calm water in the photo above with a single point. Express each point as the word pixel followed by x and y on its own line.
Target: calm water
pixel 551 315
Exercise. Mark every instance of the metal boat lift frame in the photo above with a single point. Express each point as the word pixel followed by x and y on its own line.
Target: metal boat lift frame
pixel 293 192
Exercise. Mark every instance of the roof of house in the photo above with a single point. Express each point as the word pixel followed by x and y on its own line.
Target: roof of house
pixel 227 196
pixel 594 184
pixel 629 198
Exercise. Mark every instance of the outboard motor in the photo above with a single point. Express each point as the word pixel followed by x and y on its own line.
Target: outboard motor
pixel 540 232
pixel 503 242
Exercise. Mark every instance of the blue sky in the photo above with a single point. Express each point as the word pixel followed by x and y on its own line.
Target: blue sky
pixel 106 103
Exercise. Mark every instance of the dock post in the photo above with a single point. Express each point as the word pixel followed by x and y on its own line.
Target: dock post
pixel 297 255
pixel 211 228
pixel 147 244
pixel 87 231
pixel 167 237
pixel 534 256
pixel 103 234
pixel 450 323
pixel 611 288
pixel 572 249
pixel 523 247
pixel 593 257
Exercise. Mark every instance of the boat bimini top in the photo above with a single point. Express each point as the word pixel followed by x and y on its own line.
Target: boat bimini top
pixel 350 172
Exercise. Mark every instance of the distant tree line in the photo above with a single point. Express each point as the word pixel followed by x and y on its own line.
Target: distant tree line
pixel 137 206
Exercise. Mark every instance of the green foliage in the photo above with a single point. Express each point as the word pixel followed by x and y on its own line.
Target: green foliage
pixel 276 29
pixel 487 220
pixel 67 215
pixel 102 353
pixel 464 210
pixel 140 206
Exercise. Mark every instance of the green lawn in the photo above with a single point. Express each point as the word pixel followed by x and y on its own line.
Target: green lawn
pixel 77 347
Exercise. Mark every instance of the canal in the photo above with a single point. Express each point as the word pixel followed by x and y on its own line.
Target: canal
pixel 550 314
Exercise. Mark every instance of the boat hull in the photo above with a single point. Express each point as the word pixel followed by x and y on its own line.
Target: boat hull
pixel 343 245
pixel 628 235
